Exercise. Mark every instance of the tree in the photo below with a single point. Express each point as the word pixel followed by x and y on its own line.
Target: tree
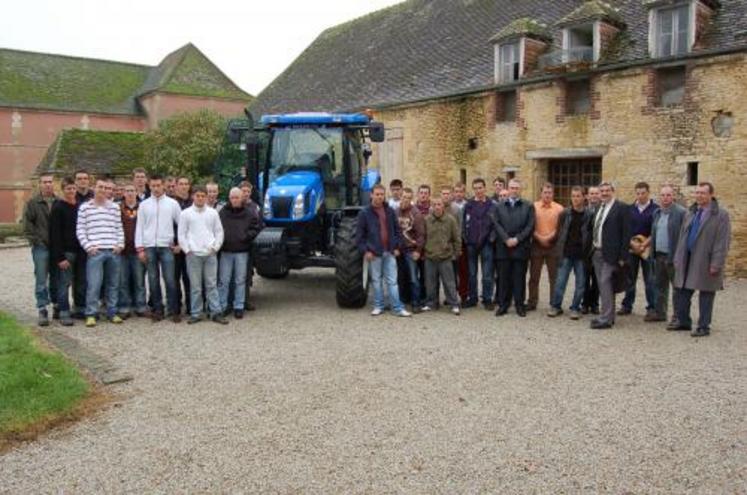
pixel 186 144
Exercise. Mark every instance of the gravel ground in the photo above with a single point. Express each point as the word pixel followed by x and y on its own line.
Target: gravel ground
pixel 303 397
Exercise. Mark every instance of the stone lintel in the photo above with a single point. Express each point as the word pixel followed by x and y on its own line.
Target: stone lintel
pixel 558 153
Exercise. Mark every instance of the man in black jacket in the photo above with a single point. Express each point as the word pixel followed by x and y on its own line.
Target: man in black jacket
pixel 610 236
pixel 240 226
pixel 64 247
pixel 513 221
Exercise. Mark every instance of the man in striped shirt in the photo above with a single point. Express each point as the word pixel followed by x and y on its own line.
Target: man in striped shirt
pixel 101 235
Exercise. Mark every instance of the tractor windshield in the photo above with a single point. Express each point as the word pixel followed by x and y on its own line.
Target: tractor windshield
pixel 312 148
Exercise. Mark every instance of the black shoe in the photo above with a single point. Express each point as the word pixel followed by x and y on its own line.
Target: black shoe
pixel 125 315
pixel 78 316
pixel 585 310
pixel 599 325
pixel 676 327
pixel 220 319
pixel 488 306
pixel 55 313
pixel 416 310
pixel 501 311
pixel 530 307
pixel 177 318
pixel 595 310
pixel 193 319
pixel 700 332
pixel 43 320
pixel 251 307
pixel 156 316
pixel 226 312
pixel 521 311
pixel 238 314
pixel 469 304
pixel 623 311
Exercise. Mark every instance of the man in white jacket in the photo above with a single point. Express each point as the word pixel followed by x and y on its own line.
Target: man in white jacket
pixel 200 238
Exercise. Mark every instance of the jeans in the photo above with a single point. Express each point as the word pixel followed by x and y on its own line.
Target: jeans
pixel 577 265
pixel 384 269
pixel 45 276
pixel 232 267
pixel 132 284
pixel 413 277
pixel 161 262
pixel 485 255
pixel 649 281
pixel 705 301
pixel 102 268
pixel 203 269
pixel 444 270
pixel 65 282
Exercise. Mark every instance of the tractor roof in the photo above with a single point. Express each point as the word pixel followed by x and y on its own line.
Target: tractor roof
pixel 315 118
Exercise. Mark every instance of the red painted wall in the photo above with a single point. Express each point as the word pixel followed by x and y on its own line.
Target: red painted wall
pixel 159 106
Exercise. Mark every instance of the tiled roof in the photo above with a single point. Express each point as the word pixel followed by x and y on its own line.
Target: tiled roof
pixel 522 27
pixel 100 152
pixel 59 82
pixel 593 10
pixel 421 49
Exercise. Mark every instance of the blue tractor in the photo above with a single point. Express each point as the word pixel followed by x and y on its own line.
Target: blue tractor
pixel 311 177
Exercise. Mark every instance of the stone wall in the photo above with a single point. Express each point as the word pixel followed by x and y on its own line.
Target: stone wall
pixel 635 139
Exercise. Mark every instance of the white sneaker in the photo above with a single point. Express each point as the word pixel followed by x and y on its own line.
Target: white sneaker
pixel 425 308
pixel 376 311
pixel 404 313
pixel 455 310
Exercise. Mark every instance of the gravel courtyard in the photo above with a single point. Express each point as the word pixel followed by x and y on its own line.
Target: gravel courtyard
pixel 303 397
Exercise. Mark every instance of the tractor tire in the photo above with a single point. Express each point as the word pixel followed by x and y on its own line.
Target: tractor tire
pixel 273 276
pixel 351 281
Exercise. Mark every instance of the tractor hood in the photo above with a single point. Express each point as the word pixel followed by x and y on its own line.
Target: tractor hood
pixel 287 192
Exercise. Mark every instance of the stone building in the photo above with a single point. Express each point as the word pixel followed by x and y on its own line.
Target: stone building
pixel 42 95
pixel 568 91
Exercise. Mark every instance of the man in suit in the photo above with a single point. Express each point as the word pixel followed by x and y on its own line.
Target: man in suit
pixel 610 236
pixel 513 222
pixel 700 259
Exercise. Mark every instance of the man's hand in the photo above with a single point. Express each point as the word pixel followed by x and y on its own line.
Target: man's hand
pixel 176 249
pixel 92 251
pixel 64 264
pixel 396 253
pixel 143 257
pixel 713 271
pixel 512 242
pixel 117 249
pixel 415 255
pixel 369 256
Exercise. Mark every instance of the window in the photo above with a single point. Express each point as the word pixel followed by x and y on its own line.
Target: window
pixel 673 31
pixel 509 63
pixel 670 86
pixel 564 174
pixel 578 97
pixel 463 175
pixel 580 47
pixel 692 173
pixel 506 106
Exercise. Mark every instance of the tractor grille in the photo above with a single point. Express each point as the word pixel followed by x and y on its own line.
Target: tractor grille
pixel 281 207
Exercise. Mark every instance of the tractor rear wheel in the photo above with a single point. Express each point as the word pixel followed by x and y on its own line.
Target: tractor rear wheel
pixel 350 272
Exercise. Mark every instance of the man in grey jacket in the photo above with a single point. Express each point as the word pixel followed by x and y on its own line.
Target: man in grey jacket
pixel 665 232
pixel 700 258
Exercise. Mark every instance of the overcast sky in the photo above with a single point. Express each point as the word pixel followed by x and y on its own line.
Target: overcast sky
pixel 251 41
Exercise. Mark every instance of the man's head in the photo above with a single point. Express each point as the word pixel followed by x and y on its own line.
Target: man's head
pixel 548 193
pixel 503 195
pixel 424 193
pixel 102 191
pixel 130 194
pixel 447 194
pixel 704 194
pixel 459 192
pixel 169 184
pixel 478 188
pixel 606 192
pixel 46 185
pixel 82 181
pixel 182 187
pixel 395 189
pixel 666 196
pixel 593 196
pixel 156 185
pixel 109 187
pixel 405 202
pixel 119 190
pixel 378 195
pixel 642 193
pixel 212 193
pixel 139 178
pixel 437 206
pixel 236 198
pixel 199 196
pixel 68 189
pixel 577 197
pixel 246 190
pixel 499 183
pixel 514 188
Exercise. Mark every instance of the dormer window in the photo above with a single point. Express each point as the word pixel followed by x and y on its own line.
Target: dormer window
pixel 673 31
pixel 579 44
pixel 509 62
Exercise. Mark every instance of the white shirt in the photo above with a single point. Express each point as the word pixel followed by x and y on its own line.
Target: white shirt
pixel 393 203
pixel 156 219
pixel 200 231
pixel 604 210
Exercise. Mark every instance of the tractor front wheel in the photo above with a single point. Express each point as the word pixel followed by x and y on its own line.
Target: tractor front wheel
pixel 350 271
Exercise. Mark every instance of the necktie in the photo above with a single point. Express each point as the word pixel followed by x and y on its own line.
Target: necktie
pixel 693 233
pixel 598 223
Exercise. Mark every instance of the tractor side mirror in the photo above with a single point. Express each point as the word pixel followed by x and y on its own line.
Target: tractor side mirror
pixel 376 132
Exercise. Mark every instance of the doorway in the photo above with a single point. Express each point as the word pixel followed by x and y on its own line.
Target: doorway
pixel 564 174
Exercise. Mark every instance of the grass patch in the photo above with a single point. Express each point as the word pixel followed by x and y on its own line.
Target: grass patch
pixel 36 385
pixel 10 230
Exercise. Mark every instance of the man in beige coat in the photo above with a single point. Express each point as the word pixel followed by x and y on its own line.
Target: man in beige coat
pixel 700 258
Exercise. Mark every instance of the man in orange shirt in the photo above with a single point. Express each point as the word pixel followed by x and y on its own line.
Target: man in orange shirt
pixel 547 214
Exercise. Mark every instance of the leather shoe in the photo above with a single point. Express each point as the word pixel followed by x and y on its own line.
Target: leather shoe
pixel 675 327
pixel 600 325
pixel 521 311
pixel 700 332
pixel 501 311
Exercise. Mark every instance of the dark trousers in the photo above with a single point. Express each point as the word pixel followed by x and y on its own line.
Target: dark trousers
pixel 512 282
pixel 705 301
pixel 79 282
pixel 591 290
pixel 539 257
pixel 461 268
pixel 649 282
pixel 182 283
pixel 664 271
pixel 485 257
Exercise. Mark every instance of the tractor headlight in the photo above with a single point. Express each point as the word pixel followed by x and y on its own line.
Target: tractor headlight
pixel 298 207
pixel 266 208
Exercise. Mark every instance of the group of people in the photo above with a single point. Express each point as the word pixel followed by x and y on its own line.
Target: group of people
pixel 416 242
pixel 101 241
